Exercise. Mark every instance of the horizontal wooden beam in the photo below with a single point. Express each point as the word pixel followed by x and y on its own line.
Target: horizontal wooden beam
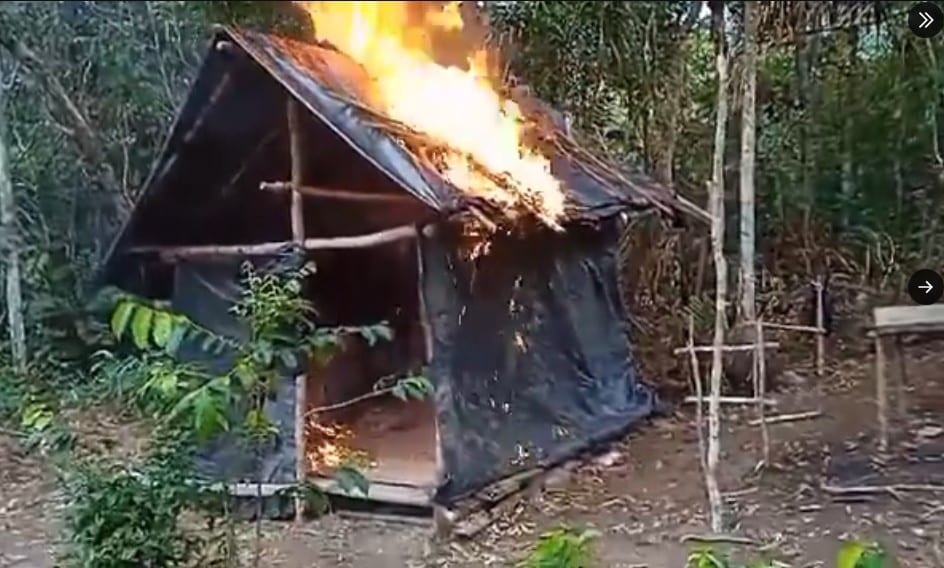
pixel 355 242
pixel 341 194
pixel 731 400
pixel 788 327
pixel 724 348
pixel 411 495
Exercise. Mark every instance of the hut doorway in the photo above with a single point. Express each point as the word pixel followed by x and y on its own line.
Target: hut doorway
pixel 391 440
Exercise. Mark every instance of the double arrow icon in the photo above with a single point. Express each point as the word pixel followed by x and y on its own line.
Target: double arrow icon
pixel 925 19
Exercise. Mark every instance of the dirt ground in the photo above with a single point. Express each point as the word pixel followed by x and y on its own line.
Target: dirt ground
pixel 647 499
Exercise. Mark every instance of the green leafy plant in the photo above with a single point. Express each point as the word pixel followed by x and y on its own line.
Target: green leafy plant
pixel 197 404
pixel 562 548
pixel 121 516
pixel 858 554
pixel 706 557
pixel 853 554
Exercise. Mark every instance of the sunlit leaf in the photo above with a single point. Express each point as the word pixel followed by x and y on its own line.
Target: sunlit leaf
pixel 162 328
pixel 120 318
pixel 208 417
pixel 141 326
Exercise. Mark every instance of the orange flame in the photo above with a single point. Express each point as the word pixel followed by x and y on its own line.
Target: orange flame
pixel 396 44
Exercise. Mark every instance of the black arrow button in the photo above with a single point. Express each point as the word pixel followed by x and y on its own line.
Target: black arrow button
pixel 925 19
pixel 925 287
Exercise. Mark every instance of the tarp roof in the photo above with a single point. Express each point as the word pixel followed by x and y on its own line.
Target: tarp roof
pixel 326 82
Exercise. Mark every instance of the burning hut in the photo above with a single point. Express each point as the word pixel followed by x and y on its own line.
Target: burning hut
pixel 476 226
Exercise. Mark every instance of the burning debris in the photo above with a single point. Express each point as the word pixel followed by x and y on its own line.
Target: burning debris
pixel 430 72
pixel 330 446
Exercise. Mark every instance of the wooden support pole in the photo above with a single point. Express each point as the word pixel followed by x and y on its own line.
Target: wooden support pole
pixel 295 138
pixel 821 336
pixel 699 397
pixel 902 383
pixel 760 386
pixel 881 394
pixel 298 236
pixel 221 88
pixel 261 249
pixel 340 194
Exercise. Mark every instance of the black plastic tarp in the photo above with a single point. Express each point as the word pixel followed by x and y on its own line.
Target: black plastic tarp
pixel 531 358
pixel 207 293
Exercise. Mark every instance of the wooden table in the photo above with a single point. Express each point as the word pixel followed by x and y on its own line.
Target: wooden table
pixel 894 321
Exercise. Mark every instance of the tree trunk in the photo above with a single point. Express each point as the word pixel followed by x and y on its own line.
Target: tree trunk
pixel 8 228
pixel 77 122
pixel 748 132
pixel 716 208
pixel 804 54
pixel 847 179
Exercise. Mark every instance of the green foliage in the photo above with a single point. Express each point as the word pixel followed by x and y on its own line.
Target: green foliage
pixel 278 320
pixel 121 516
pixel 412 387
pixel 153 326
pixel 33 413
pixel 562 548
pixel 351 480
pixel 861 555
pixel 851 555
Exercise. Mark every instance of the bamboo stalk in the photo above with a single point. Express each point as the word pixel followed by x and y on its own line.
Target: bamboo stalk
pixel 261 249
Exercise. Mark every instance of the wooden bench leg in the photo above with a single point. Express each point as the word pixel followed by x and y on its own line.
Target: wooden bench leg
pixel 902 379
pixel 881 394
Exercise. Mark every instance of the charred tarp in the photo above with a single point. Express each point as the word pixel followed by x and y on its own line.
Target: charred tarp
pixel 531 361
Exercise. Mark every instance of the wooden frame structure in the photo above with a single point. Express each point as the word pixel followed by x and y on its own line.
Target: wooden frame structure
pixel 379 491
pixel 894 321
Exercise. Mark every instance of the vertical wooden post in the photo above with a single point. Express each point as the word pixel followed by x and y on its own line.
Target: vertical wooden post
pixel 298 235
pixel 902 382
pixel 820 331
pixel 699 396
pixel 443 519
pixel 881 394
pixel 760 373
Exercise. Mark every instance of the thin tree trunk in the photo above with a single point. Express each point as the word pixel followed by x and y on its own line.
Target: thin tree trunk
pixel 748 134
pixel 14 294
pixel 803 54
pixel 847 177
pixel 716 208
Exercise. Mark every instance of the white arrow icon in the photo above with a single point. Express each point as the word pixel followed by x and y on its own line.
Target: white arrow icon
pixel 927 287
pixel 926 21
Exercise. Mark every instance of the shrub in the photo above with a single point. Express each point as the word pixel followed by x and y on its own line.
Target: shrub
pixel 562 548
pixel 120 516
